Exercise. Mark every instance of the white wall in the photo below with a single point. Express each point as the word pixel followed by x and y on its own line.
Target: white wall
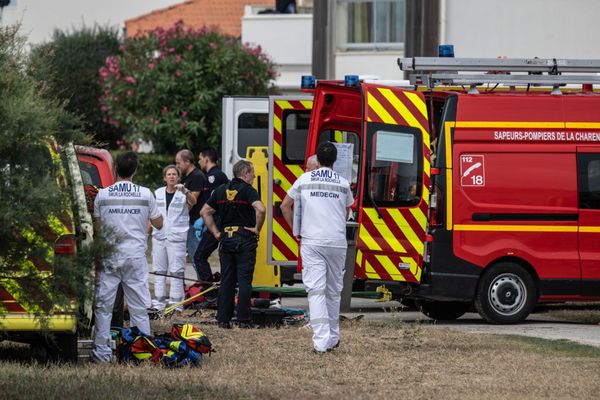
pixel 39 18
pixel 287 39
pixel 383 64
pixel 522 28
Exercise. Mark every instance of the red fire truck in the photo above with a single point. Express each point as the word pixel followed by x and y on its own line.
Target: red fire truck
pixel 472 190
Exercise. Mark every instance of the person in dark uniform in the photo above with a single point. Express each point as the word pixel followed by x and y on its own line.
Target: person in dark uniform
pixel 242 215
pixel 214 178
pixel 193 180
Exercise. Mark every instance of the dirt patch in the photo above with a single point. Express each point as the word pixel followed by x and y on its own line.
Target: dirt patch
pixel 388 359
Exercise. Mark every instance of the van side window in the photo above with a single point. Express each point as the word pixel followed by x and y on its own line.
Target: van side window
pixel 589 180
pixel 253 130
pixel 295 132
pixel 394 166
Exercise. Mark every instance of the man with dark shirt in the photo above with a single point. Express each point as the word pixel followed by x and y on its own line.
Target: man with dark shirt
pixel 242 215
pixel 193 179
pixel 214 178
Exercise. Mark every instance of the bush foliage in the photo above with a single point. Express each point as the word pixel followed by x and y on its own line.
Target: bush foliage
pixel 69 64
pixel 30 195
pixel 167 86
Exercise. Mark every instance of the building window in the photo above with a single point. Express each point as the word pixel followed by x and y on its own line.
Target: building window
pixel 371 25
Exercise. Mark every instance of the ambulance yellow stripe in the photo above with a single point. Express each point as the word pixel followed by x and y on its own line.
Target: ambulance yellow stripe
pixel 277 125
pixel 277 255
pixel 582 125
pixel 370 271
pixel 417 102
pixel 384 231
pixel 419 216
pixel 284 105
pixel 425 194
pixel 448 143
pixel 380 111
pixel 57 226
pixel 367 239
pixel 589 229
pixel 414 268
pixel 405 113
pixel 515 228
pixel 296 170
pixel 307 103
pixel 390 267
pixel 359 257
pixel 509 124
pixel 285 237
pixel 412 237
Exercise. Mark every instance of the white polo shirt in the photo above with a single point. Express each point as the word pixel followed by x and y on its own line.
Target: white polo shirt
pixel 322 196
pixel 124 209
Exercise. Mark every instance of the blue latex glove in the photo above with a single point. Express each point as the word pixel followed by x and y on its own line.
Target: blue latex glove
pixel 199 228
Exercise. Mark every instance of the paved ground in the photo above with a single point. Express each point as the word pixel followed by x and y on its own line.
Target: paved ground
pixel 537 325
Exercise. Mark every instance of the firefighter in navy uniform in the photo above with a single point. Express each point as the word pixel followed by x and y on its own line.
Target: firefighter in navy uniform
pixel 242 215
pixel 214 178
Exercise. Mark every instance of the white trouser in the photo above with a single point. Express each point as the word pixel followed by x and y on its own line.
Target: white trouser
pixel 132 273
pixel 168 258
pixel 323 277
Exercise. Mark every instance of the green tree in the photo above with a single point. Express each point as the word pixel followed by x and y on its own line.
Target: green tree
pixel 30 195
pixel 167 86
pixel 69 64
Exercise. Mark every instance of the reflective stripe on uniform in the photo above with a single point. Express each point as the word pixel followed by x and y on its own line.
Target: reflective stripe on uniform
pixel 124 202
pixel 319 320
pixel 101 341
pixel 323 186
pixel 319 292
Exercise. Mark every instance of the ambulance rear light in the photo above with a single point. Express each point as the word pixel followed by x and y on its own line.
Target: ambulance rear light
pixel 446 50
pixel 65 245
pixel 308 82
pixel 351 80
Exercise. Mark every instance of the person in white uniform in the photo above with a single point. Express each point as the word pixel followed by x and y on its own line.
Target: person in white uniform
pixel 122 212
pixel 325 198
pixel 169 243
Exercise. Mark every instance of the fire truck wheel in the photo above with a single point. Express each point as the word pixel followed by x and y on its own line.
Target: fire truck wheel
pixel 444 310
pixel 506 294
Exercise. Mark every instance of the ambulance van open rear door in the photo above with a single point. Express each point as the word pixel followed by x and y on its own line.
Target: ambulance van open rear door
pixel 245 124
pixel 395 192
pixel 289 118
pixel 389 129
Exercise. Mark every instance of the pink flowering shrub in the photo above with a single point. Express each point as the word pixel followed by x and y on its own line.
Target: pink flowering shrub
pixel 167 86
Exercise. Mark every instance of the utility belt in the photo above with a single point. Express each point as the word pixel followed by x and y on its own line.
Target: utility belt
pixel 237 239
pixel 230 231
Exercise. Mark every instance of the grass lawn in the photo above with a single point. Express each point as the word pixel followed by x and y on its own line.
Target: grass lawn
pixel 390 359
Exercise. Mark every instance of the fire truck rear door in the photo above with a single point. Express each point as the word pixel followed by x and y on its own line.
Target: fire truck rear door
pixel 588 165
pixel 394 197
pixel 289 118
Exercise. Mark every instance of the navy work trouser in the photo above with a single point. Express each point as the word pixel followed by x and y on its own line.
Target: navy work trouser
pixel 238 256
pixel 207 245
